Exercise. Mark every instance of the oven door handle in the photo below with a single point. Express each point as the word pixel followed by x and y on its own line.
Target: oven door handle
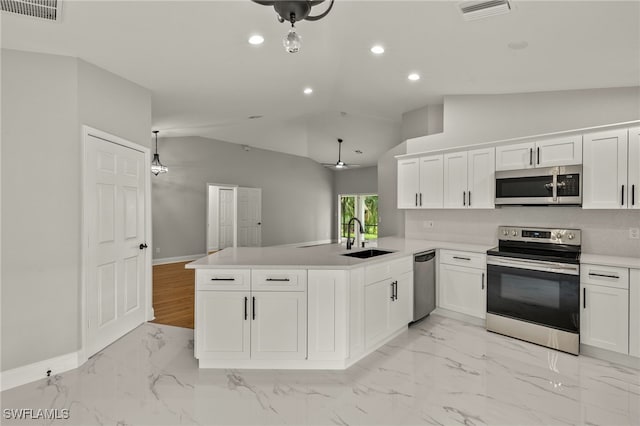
pixel 534 265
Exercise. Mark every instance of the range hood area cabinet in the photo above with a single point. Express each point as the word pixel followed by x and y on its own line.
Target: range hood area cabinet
pixel 564 151
pixel 612 169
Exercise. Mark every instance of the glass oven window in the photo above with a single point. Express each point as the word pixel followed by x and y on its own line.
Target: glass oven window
pixel 544 298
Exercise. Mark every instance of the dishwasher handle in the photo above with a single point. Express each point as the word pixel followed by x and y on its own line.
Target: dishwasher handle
pixel 424 257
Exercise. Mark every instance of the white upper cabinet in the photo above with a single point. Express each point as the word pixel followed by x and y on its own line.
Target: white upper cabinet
pixel 562 151
pixel 605 170
pixel 420 182
pixel 469 179
pixel 633 172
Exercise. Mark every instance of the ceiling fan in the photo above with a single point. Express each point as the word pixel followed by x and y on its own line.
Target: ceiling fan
pixel 340 165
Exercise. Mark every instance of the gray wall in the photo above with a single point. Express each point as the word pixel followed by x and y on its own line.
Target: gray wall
pixel 356 181
pixel 471 119
pixel 604 231
pixel 391 220
pixel 45 99
pixel 297 193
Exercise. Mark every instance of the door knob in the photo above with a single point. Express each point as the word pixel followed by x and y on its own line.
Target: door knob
pixel 143 246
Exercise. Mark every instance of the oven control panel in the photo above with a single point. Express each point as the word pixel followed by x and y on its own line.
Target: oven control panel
pixel 542 235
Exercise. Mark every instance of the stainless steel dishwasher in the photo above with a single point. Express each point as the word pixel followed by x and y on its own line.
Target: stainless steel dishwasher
pixel 424 284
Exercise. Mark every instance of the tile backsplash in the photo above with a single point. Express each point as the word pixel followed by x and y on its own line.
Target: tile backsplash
pixel 603 231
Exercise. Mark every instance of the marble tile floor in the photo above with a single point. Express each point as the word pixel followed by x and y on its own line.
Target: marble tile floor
pixel 440 372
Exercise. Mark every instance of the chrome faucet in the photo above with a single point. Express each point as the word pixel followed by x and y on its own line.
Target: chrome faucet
pixel 349 243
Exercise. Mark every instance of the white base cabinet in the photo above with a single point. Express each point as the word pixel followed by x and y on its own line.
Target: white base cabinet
pixel 604 318
pixel 634 312
pixel 279 325
pixel 462 283
pixel 223 327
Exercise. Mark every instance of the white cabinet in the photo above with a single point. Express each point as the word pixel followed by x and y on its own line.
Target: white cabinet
pixel 634 312
pixel 328 295
pixel 279 325
pixel 388 299
pixel 462 283
pixel 420 182
pixel 604 320
pixel 469 179
pixel 605 170
pixel 222 325
pixel 561 151
pixel 233 321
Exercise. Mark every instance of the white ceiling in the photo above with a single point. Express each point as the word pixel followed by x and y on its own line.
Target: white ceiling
pixel 206 79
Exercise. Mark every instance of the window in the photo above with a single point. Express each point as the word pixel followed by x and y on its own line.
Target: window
pixel 363 207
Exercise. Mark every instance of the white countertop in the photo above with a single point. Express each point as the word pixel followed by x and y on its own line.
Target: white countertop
pixel 323 256
pixel 599 259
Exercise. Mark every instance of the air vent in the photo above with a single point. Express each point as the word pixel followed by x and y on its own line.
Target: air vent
pixel 43 9
pixel 472 10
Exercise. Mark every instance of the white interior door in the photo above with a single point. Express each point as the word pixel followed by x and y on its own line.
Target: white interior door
pixel 226 218
pixel 249 217
pixel 115 215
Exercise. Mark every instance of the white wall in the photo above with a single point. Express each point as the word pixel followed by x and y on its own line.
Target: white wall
pixel 426 120
pixel 45 100
pixel 297 193
pixel 472 119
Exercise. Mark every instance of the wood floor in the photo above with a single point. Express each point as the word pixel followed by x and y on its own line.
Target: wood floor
pixel 173 294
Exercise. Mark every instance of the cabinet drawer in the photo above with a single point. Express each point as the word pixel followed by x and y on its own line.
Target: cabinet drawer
pixel 279 279
pixel 386 270
pixel 609 276
pixel 463 258
pixel 223 279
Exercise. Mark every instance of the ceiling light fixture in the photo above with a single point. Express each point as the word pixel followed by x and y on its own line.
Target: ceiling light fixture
pixel 377 49
pixel 414 77
pixel 156 166
pixel 308 91
pixel 256 39
pixel 294 11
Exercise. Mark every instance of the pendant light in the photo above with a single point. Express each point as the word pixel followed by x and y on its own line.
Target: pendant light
pixel 156 166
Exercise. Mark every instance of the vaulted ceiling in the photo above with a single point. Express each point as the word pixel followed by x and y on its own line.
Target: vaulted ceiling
pixel 206 79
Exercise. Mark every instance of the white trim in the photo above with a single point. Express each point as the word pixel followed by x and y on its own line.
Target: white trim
pixel 167 260
pixel 87 131
pixel 491 144
pixel 38 370
pixel 606 355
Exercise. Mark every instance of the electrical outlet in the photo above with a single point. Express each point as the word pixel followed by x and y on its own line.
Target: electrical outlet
pixel 427 224
pixel 634 233
pixel 157 249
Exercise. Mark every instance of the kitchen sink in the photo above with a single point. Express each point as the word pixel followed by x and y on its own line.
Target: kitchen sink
pixel 365 254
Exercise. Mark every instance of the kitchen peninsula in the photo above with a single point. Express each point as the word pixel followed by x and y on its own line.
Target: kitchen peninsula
pixel 304 308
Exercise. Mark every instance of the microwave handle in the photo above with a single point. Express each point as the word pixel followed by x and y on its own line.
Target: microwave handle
pixel 555 187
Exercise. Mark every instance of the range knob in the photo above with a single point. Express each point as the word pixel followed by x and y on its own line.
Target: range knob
pixel 505 232
pixel 570 236
pixel 514 233
pixel 559 235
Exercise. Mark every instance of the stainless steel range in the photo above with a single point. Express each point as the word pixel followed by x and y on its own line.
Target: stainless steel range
pixel 533 286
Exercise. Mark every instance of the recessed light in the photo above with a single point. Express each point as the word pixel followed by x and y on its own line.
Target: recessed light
pixel 377 49
pixel 414 77
pixel 256 39
pixel 308 91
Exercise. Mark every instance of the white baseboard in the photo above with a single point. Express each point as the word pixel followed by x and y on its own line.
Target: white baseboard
pixel 38 370
pixel 167 260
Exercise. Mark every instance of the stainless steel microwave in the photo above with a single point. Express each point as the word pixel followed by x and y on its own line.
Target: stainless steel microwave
pixel 543 186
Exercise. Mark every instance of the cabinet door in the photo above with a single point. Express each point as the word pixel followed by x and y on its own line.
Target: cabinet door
pixel 462 290
pixel 408 183
pixel 558 151
pixel 431 182
pixel 401 308
pixel 604 320
pixel 222 325
pixel 377 297
pixel 634 168
pixel 481 184
pixel 634 312
pixel 605 170
pixel 327 319
pixel 515 157
pixel 455 180
pixel 279 325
